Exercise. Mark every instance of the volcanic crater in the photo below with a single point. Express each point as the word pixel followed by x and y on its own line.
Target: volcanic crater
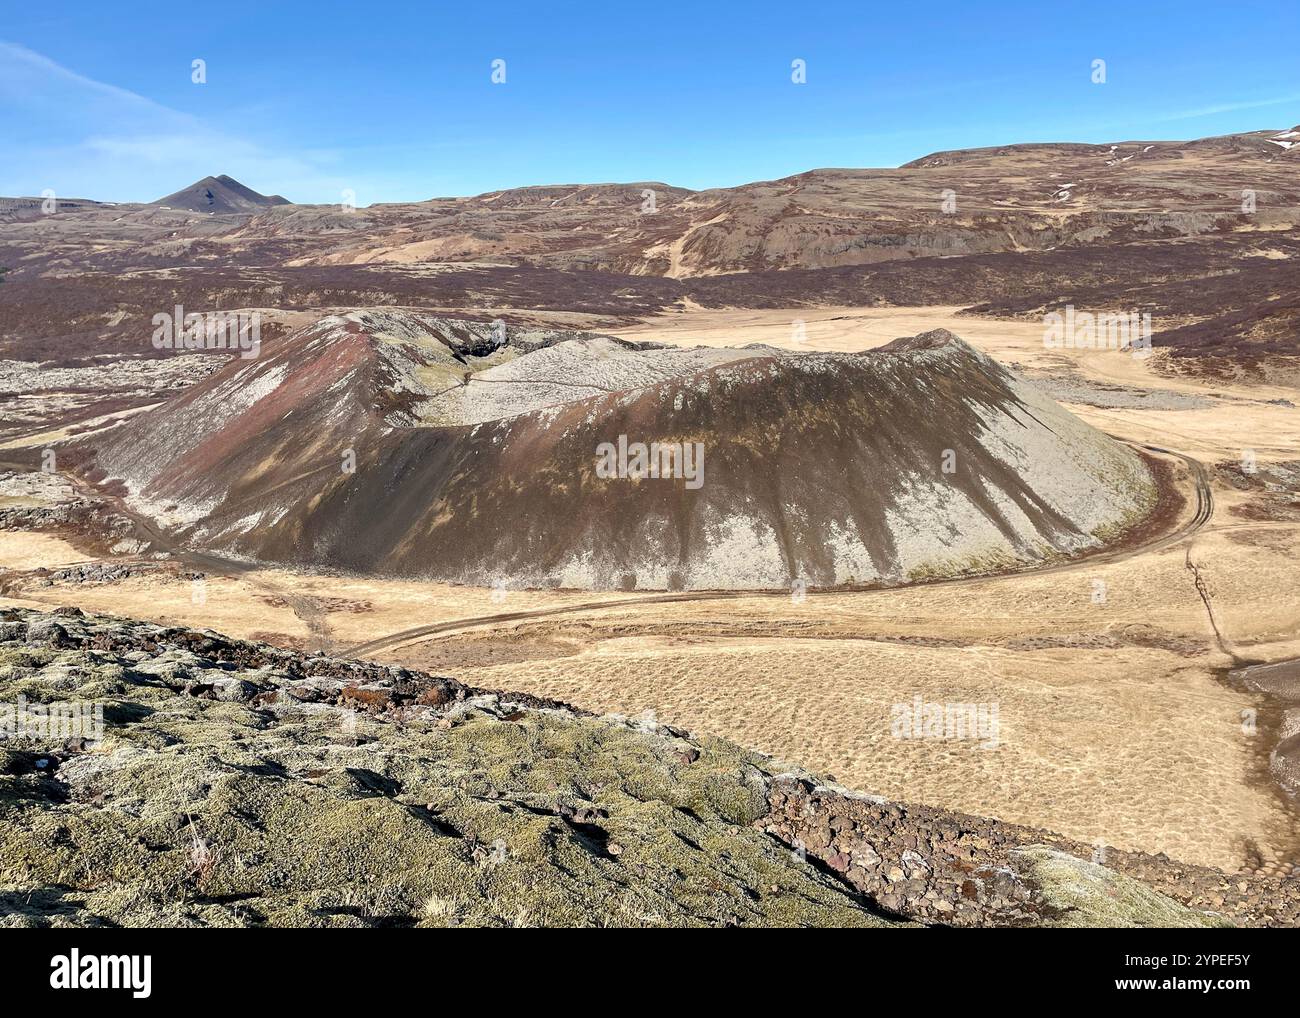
pixel 392 442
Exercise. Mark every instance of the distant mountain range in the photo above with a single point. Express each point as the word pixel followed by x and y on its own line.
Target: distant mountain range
pixel 1012 198
pixel 1202 234
pixel 976 201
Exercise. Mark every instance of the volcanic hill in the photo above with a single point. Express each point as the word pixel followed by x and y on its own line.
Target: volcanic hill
pixel 390 442
pixel 220 195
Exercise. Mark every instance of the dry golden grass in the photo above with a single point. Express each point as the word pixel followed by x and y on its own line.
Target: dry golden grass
pixel 21 550
pixel 1115 725
pixel 1242 419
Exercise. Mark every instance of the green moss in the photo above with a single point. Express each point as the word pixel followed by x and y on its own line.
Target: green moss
pixel 971 565
pixel 25 657
pixel 196 804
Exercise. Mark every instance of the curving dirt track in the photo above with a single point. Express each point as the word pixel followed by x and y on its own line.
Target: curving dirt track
pixel 1202 514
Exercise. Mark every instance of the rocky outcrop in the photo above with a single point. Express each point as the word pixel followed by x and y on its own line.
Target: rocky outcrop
pixel 235 784
pixel 940 866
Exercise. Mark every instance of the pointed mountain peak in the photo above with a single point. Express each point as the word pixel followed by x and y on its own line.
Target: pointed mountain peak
pixel 221 194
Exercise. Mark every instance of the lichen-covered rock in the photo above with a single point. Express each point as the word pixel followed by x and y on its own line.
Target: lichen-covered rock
pixel 940 866
pixel 233 784
pixel 1078 893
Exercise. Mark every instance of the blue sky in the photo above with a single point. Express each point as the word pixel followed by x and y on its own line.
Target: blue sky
pixel 395 100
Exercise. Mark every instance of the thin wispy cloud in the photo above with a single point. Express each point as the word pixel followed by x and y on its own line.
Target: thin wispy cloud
pixel 87 138
pixel 1233 107
pixel 22 66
